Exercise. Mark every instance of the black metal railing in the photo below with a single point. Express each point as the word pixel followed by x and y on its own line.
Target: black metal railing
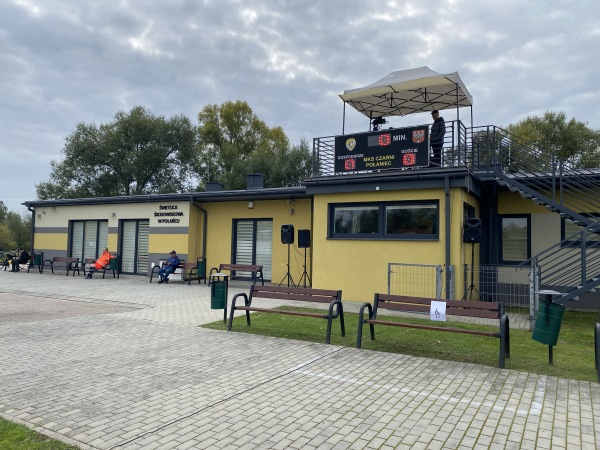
pixel 454 151
pixel 542 176
pixel 571 267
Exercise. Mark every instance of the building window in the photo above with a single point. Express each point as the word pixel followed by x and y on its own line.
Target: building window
pixel 88 237
pixel 515 241
pixel 385 220
pixel 356 220
pixel 468 212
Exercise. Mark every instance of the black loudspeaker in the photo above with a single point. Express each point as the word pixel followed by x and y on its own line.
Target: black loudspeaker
pixel 287 234
pixel 303 238
pixel 472 230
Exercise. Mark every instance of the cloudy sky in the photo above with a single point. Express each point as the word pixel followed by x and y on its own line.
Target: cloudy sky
pixel 69 61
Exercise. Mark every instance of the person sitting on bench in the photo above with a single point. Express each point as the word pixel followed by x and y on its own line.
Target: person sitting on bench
pixel 23 258
pixel 169 267
pixel 100 263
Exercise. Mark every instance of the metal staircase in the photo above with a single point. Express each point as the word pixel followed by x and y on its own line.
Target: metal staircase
pixel 572 266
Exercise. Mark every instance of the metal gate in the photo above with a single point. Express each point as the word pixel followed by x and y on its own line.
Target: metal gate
pixel 419 280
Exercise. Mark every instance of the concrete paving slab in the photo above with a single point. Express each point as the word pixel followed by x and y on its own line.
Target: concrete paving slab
pixel 122 364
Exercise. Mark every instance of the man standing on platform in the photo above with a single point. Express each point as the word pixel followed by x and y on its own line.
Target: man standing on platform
pixel 436 138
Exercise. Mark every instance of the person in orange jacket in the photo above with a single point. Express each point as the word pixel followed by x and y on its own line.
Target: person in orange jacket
pixel 100 263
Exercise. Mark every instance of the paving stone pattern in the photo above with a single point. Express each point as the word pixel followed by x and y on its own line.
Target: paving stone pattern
pixel 121 364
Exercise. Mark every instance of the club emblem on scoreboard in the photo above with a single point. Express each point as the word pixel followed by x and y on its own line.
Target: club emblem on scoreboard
pixel 350 144
pixel 418 136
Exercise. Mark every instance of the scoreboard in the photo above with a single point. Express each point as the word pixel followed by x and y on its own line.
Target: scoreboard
pixel 386 149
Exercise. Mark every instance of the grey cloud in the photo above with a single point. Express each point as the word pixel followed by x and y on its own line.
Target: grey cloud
pixel 71 61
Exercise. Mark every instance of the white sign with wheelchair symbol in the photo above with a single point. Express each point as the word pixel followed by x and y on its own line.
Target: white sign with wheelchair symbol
pixel 438 311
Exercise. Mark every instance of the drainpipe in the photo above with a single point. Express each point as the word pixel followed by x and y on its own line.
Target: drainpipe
pixel 447 232
pixel 32 211
pixel 204 231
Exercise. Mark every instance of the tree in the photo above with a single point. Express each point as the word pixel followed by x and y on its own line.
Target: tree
pixel 136 154
pixel 553 134
pixel 3 211
pixel 234 142
pixel 284 166
pixel 15 231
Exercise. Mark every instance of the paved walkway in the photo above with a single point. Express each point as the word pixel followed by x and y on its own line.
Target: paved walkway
pixel 121 364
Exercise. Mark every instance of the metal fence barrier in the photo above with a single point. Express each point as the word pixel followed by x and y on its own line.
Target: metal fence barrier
pixel 509 285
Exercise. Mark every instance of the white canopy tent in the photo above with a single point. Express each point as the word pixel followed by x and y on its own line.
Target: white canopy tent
pixel 407 92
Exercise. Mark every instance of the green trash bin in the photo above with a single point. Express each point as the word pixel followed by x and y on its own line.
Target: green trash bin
pixel 548 322
pixel 201 270
pixel 37 258
pixel 218 294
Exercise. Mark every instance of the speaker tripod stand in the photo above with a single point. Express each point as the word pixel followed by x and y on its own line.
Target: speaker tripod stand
pixel 304 278
pixel 472 287
pixel 288 276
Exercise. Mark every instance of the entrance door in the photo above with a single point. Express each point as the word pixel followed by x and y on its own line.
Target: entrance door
pixel 253 244
pixel 134 246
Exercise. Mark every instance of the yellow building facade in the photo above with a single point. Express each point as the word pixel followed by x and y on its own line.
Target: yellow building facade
pixel 245 227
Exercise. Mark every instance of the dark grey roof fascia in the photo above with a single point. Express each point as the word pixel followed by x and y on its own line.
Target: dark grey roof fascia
pixel 237 195
pixel 386 176
pixel 252 194
pixel 392 180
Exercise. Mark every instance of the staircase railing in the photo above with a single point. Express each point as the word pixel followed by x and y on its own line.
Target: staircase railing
pixel 545 178
pixel 571 267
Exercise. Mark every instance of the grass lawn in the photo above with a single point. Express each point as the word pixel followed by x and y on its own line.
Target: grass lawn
pixel 18 437
pixel 573 355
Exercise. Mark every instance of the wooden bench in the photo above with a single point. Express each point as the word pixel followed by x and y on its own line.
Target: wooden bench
pixel 26 265
pixel 255 269
pixel 113 265
pixel 70 263
pixel 83 264
pixel 188 269
pixel 463 308
pixel 6 257
pixel 333 298
pixel 191 270
pixel 156 268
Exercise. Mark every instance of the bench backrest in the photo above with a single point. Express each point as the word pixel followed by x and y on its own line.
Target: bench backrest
pixel 241 267
pixel 180 266
pixel 466 308
pixel 292 293
pixel 64 259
